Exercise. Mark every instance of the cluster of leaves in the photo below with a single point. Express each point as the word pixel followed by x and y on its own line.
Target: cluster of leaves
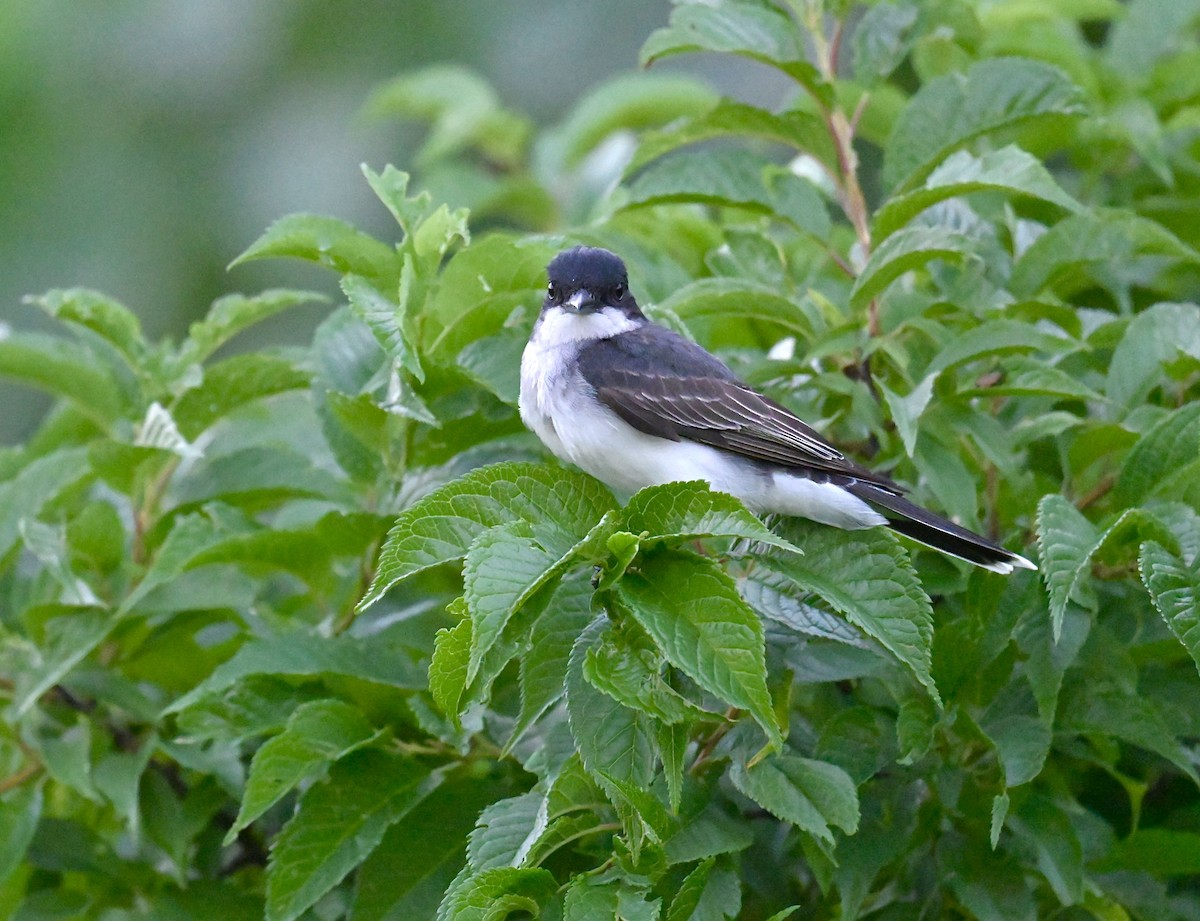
pixel 320 633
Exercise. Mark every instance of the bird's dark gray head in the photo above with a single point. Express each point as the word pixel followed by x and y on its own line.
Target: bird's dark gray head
pixel 587 279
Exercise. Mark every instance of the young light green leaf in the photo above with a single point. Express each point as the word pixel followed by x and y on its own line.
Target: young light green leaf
pixel 1009 170
pixel 1174 587
pixel 448 667
pixel 881 39
pixel 627 102
pixel 386 320
pixel 306 654
pixel 588 900
pixel 496 893
pixel 463 113
pixel 906 410
pixel 101 315
pixel 232 383
pixel 326 241
pixel 952 110
pixel 338 822
pixel 761 33
pixel 37 483
pixel 904 251
pixel 692 610
pixel 800 130
pixel 229 315
pixel 1153 338
pixel 441 527
pixel 317 733
pixel 868 576
pixel 812 795
pixel 680 512
pixel 62 369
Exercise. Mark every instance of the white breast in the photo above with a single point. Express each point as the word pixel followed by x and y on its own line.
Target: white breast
pixel 562 410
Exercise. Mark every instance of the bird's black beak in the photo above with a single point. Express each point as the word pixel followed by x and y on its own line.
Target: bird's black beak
pixel 582 301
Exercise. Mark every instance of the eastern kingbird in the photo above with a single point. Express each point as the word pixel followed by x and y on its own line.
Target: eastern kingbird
pixel 635 404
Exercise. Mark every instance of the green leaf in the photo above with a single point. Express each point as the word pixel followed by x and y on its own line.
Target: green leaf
pixel 760 33
pixel 232 383
pixel 441 527
pixel 812 795
pixel 70 636
pixel 303 654
pixel 724 309
pixel 881 39
pixel 386 320
pixel 448 667
pixel 1174 587
pixel 1146 32
pixel 1112 713
pixel 692 610
pixel 629 670
pixel 406 875
pixel 504 567
pixel 1169 445
pixel 494 894
pixel 1010 170
pixel 329 242
pixel 1051 835
pixel 1023 742
pixel 259 476
pixel 99 314
pixel 800 130
pixel 236 312
pixel 904 251
pixel 687 897
pixel 37 483
pixel 867 576
pixel 1083 246
pixel 587 900
pixel 950 111
pixel 543 672
pixel 20 811
pixel 613 741
pixel 462 110
pixel 1157 851
pixel 1153 339
pixel 505 830
pixel 317 733
pixel 998 337
pixel 736 178
pixel 62 369
pixel 1066 540
pixel 338 823
pixel 777 597
pixel 906 410
pixel 685 511
pixel 626 102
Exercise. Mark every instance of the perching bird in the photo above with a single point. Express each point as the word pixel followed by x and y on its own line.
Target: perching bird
pixel 635 404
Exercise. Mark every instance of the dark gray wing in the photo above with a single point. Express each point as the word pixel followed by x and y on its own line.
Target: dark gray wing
pixel 663 385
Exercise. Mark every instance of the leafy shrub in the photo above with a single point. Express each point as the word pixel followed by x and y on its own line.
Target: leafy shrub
pixel 319 632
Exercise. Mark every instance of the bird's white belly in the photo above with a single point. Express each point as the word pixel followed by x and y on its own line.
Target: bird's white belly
pixel 561 409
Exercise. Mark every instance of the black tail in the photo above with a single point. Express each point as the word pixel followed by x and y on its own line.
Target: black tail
pixel 939 533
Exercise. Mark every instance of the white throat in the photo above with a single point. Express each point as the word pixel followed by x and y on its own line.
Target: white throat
pixel 557 327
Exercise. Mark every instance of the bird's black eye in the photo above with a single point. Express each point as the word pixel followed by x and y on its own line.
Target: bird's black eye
pixel 552 291
pixel 619 292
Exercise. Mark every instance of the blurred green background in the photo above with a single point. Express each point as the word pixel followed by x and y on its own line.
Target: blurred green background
pixel 145 143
